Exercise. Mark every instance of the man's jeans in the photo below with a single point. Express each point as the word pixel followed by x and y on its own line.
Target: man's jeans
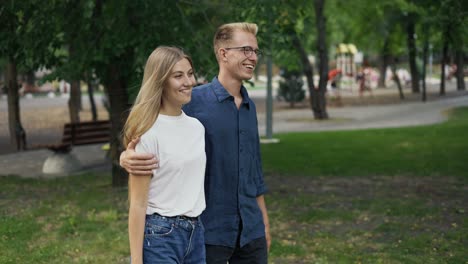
pixel 254 252
pixel 173 240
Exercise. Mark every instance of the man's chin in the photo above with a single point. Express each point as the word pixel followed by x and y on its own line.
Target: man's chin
pixel 247 77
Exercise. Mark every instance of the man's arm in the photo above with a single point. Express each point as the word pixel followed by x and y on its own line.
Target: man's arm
pixel 138 164
pixel 266 222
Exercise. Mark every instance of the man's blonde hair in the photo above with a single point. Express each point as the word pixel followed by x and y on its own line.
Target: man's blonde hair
pixel 225 33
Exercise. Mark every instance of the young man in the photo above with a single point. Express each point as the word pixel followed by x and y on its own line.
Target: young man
pixel 235 218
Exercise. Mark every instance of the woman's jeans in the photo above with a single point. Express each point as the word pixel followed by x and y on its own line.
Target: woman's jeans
pixel 177 239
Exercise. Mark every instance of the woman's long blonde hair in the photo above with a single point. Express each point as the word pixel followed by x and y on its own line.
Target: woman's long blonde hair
pixel 148 102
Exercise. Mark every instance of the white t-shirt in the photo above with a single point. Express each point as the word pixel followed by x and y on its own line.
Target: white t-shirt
pixel 177 186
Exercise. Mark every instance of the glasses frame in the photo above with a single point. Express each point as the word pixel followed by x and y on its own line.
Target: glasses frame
pixel 248 51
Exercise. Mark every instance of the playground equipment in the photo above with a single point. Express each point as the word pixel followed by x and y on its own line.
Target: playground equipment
pixel 345 56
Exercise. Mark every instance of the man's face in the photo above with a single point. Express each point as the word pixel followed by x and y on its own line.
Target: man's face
pixel 238 64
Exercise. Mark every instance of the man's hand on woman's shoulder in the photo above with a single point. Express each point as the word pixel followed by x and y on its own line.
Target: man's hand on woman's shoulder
pixel 138 164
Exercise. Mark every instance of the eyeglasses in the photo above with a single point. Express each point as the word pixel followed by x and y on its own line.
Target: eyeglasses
pixel 247 50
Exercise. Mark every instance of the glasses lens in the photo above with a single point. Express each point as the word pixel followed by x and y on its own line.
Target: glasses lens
pixel 248 51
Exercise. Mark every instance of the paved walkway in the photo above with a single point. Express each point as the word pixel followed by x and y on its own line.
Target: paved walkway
pixel 29 163
pixel 363 117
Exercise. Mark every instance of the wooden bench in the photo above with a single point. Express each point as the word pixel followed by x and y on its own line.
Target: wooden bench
pixel 83 133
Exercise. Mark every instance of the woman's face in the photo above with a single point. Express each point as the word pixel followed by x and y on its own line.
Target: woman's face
pixel 178 88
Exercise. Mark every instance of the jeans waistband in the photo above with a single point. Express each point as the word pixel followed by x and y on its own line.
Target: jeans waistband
pixel 180 217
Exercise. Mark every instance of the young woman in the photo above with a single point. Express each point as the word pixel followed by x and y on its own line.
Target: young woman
pixel 163 222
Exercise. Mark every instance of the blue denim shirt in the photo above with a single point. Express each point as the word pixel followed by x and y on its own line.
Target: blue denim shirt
pixel 233 177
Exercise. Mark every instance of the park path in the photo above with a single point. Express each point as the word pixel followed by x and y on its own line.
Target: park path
pixel 363 117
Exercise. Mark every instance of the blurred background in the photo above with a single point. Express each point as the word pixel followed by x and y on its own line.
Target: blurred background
pixel 73 61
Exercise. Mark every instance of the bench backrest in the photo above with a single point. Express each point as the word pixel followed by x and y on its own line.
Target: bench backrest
pixel 84 133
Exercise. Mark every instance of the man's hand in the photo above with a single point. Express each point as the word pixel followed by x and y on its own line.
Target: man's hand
pixel 138 164
pixel 268 237
pixel 262 205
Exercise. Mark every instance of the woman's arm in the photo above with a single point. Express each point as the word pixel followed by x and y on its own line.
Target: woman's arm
pixel 138 195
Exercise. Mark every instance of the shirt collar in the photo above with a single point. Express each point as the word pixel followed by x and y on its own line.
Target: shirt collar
pixel 222 94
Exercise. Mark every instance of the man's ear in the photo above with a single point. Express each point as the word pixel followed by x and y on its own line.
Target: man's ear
pixel 222 54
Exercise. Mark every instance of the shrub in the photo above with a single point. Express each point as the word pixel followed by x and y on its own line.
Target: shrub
pixel 291 87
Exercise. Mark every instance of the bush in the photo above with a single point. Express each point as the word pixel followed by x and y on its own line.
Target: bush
pixel 291 88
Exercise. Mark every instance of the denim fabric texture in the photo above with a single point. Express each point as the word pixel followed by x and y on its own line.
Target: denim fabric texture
pixel 254 252
pixel 171 240
pixel 233 176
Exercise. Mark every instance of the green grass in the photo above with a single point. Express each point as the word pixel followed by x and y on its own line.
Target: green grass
pixel 77 219
pixel 416 151
pixel 370 196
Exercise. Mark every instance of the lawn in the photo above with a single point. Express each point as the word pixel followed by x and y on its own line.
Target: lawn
pixel 369 196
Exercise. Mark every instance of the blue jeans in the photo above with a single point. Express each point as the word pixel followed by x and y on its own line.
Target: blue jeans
pixel 171 240
pixel 255 251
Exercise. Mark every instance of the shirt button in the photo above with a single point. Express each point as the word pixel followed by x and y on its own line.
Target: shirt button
pixel 241 131
pixel 241 150
pixel 241 169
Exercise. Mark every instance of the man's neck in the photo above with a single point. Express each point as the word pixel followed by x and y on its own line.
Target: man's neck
pixel 232 85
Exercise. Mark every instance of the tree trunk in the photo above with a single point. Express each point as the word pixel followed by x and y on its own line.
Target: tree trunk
pixel 74 105
pixel 17 132
pixel 384 62
pixel 412 55
pixel 306 68
pixel 443 62
pixel 73 102
pixel 460 66
pixel 118 99
pixel 79 100
pixel 320 104
pixel 91 96
pixel 397 80
pixel 423 77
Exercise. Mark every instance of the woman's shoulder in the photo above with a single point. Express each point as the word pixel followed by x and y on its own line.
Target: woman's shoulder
pixel 194 122
pixel 151 133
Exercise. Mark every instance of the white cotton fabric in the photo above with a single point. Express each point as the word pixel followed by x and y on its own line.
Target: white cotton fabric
pixel 177 186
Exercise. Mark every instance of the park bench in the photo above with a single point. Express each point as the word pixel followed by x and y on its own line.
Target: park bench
pixel 83 133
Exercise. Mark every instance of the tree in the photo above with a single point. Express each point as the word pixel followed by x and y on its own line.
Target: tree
pixel 453 22
pixel 127 32
pixel 199 20
pixel 380 29
pixel 12 18
pixel 75 21
pixel 27 42
pixel 319 103
pixel 110 41
pixel 411 42
pixel 425 54
pixel 287 27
